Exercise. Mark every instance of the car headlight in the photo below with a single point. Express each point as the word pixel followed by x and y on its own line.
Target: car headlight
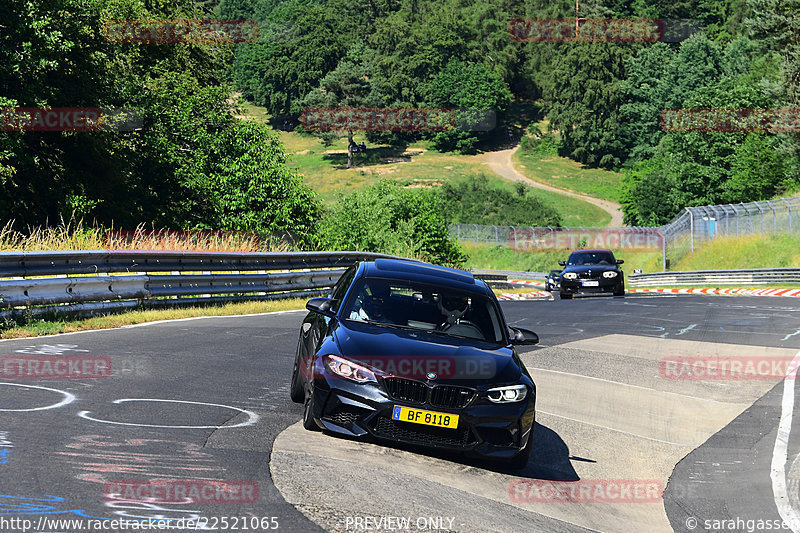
pixel 509 394
pixel 569 275
pixel 348 369
pixel 610 274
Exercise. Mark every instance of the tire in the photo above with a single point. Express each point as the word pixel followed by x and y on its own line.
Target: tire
pixel 520 461
pixel 308 419
pixel 619 290
pixel 296 392
pixel 566 296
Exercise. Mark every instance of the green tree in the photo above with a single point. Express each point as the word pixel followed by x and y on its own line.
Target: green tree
pixel 584 101
pixel 348 86
pixel 477 93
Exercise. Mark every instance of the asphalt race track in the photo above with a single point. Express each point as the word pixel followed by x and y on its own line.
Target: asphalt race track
pixel 204 403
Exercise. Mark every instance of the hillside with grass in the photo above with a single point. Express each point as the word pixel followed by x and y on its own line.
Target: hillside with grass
pixel 419 165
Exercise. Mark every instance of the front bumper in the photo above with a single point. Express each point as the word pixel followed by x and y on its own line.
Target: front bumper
pixel 485 429
pixel 577 285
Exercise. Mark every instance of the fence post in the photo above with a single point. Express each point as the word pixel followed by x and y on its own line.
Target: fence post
pixel 774 218
pixel 788 205
pixel 476 233
pixel 663 251
pixel 761 212
pixel 514 231
pixel 496 240
pixel 691 227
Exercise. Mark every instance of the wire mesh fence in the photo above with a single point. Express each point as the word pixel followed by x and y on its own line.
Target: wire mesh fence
pixel 689 230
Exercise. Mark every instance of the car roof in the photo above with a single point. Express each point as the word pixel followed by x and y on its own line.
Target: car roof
pixel 422 272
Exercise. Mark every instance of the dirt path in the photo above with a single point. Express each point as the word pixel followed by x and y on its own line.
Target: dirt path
pixel 501 163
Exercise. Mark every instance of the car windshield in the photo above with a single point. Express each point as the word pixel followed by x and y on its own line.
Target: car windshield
pixel 590 258
pixel 417 306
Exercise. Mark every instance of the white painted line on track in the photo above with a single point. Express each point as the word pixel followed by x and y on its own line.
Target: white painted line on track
pixel 626 384
pixel 153 323
pixel 686 329
pixel 694 445
pixel 68 398
pixel 786 338
pixel 252 418
pixel 780 453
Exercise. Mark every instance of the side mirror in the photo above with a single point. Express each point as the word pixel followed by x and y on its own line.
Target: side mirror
pixel 523 337
pixel 620 261
pixel 321 306
pixel 562 263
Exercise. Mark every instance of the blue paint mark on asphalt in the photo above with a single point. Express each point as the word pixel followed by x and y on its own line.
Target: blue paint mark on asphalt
pixel 17 505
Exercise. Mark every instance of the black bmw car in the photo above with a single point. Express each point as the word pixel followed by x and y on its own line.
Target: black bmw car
pixel 553 280
pixel 409 352
pixel 591 271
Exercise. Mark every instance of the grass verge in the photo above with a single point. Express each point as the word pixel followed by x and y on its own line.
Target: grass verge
pixel 53 326
pixel 750 251
pixel 570 175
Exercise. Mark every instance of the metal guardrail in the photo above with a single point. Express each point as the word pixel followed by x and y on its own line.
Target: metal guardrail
pixel 753 276
pixel 193 278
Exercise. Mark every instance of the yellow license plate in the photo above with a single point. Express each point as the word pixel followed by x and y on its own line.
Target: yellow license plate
pixel 428 418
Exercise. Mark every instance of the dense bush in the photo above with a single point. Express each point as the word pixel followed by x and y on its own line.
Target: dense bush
pixel 477 202
pixel 388 218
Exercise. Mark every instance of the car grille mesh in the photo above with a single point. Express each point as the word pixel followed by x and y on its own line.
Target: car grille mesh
pixel 456 438
pixel 413 391
pixel 344 415
pixel 450 396
pixel 407 390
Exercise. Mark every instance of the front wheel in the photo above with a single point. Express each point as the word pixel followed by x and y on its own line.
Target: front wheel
pixel 296 392
pixel 520 461
pixel 619 290
pixel 308 413
pixel 566 296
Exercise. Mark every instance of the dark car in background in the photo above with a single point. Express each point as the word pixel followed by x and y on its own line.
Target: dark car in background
pixel 591 271
pixel 553 280
pixel 407 352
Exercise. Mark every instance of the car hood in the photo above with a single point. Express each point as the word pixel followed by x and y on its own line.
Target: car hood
pixel 580 269
pixel 414 354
